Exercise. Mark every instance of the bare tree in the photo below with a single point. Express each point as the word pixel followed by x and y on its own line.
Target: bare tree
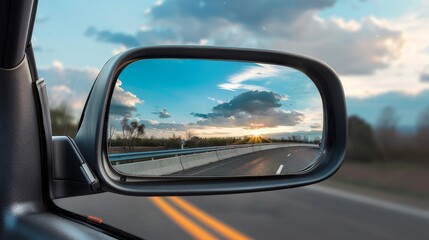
pixel 189 134
pixel 124 124
pixel 131 131
pixel 305 139
pixel 111 131
pixel 136 130
pixel 317 140
pixel 423 129
pixel 386 130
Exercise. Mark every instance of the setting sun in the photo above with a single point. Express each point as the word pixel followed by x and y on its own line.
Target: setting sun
pixel 256 133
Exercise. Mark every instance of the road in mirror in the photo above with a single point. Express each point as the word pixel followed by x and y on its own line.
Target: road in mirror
pixel 196 117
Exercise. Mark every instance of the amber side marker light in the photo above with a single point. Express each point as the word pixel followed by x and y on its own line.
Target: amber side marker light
pixel 95 219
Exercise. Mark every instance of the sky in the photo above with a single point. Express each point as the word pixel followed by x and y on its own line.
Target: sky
pixel 379 48
pixel 217 99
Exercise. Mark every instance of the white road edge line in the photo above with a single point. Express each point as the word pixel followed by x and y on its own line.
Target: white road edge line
pixel 410 210
pixel 279 170
pixel 289 154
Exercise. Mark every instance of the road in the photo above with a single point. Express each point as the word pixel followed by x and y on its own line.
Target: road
pixel 267 162
pixel 312 212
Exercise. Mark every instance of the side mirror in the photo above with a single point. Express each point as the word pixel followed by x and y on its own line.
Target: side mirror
pixel 205 120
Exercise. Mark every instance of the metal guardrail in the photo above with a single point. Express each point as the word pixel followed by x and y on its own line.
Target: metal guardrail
pixel 117 157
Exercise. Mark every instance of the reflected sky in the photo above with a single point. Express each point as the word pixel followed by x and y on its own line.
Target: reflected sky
pixel 217 99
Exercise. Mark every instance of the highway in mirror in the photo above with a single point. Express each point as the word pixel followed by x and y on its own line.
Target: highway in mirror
pixel 196 117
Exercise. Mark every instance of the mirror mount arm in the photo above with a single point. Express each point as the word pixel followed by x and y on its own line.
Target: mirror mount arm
pixel 72 176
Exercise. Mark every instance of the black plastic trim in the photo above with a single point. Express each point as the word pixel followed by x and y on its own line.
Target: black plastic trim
pixel 15 18
pixel 71 175
pixel 91 134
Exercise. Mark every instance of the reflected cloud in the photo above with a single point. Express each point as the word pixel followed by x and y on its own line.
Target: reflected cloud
pixel 162 114
pixel 258 72
pixel 238 115
pixel 123 103
pixel 251 110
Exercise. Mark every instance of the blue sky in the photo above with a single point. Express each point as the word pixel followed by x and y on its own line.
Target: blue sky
pixel 379 48
pixel 210 97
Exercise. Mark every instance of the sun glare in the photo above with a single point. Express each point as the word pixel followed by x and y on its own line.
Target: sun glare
pixel 256 133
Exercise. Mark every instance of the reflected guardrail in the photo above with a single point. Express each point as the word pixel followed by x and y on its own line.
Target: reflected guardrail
pixel 151 155
pixel 190 158
pixel 117 157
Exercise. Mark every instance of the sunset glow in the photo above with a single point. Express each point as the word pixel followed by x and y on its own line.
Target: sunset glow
pixel 265 102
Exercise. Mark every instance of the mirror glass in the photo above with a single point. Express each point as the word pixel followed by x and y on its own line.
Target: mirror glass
pixel 198 117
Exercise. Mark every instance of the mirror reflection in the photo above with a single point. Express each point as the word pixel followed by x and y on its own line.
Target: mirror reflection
pixel 197 117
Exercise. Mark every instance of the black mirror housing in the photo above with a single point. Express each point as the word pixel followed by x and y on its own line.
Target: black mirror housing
pixel 91 136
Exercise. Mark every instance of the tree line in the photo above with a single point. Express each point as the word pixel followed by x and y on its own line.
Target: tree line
pixel 385 142
pixel 366 143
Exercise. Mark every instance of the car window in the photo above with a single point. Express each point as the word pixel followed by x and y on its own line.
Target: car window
pixel 378 48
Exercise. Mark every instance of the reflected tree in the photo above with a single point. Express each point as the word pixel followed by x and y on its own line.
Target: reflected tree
pixel 111 131
pixel 131 131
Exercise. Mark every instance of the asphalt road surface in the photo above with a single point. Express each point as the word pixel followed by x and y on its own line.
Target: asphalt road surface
pixel 313 212
pixel 267 162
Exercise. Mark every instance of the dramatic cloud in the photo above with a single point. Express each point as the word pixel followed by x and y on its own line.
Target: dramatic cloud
pixel 404 74
pixel 351 47
pixel 68 86
pixel 250 15
pixel 123 103
pixel 251 110
pixel 107 36
pixel 162 114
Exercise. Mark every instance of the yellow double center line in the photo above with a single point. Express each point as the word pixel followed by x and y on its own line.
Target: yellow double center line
pixel 191 227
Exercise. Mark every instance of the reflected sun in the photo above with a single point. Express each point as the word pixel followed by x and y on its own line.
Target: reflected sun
pixel 256 133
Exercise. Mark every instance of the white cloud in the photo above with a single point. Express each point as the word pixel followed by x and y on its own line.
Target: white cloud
pixel 255 73
pixel 235 86
pixel 68 86
pixel 259 72
pixel 58 65
pixel 216 100
pixel 63 89
pixel 350 46
pixel 123 102
pixel 359 48
pixel 372 55
pixel 403 74
pixel 121 48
